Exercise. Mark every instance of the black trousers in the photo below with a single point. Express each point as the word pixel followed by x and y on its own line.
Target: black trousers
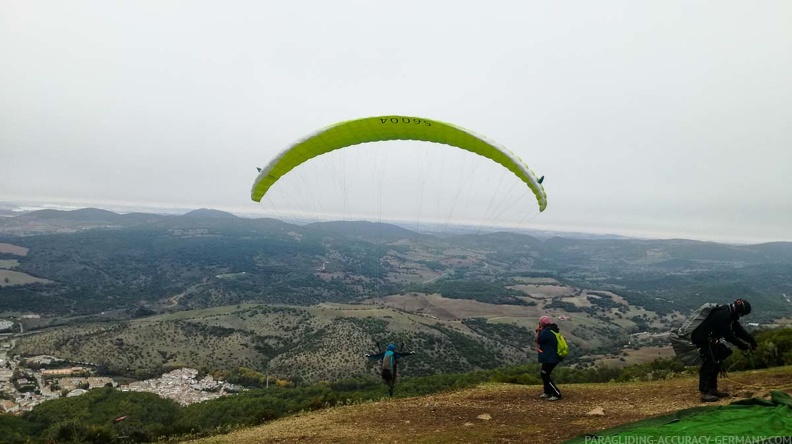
pixel 713 353
pixel 549 386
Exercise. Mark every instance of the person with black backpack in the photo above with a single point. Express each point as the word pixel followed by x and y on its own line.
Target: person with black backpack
pixel 548 340
pixel 722 323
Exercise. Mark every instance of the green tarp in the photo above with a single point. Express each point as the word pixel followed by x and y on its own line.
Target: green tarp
pixel 749 421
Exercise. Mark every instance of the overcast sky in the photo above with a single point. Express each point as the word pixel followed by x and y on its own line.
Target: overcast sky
pixel 655 119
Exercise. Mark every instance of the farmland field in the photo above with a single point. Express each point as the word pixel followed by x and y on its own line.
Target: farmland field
pixel 8 278
pixel 13 249
pixel 8 263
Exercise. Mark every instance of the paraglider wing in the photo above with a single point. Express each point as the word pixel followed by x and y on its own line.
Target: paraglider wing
pixel 375 129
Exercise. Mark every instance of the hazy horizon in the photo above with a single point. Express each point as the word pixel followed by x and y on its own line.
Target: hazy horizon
pixel 20 208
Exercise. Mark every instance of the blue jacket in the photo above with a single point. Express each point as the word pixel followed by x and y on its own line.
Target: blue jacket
pixel 548 345
pixel 389 357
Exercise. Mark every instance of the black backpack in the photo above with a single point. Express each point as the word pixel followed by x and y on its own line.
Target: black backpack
pixel 683 345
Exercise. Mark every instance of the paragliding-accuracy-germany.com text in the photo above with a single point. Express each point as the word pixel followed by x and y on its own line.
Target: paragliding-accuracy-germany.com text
pixel 724 439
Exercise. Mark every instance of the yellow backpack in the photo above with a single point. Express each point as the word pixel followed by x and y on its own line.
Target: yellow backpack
pixel 563 347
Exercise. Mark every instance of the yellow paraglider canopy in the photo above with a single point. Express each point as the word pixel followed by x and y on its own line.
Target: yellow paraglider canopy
pixel 382 128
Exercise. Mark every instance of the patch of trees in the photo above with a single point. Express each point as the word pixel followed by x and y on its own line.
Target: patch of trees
pixel 376 328
pixel 477 290
pixel 568 307
pixel 775 349
pixel 468 350
pixel 507 334
pixel 205 330
pixel 641 323
pixel 604 301
pixel 432 265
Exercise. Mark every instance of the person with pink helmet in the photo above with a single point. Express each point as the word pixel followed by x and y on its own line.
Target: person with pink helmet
pixel 547 346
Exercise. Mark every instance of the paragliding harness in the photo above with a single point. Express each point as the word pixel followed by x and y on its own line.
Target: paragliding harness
pixel 688 352
pixel 388 367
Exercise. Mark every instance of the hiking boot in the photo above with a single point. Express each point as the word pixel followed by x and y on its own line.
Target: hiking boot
pixel 544 395
pixel 556 398
pixel 719 394
pixel 706 397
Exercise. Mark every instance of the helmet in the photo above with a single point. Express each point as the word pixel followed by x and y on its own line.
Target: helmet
pixel 391 347
pixel 742 307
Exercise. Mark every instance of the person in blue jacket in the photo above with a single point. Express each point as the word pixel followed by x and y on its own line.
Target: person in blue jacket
pixel 547 346
pixel 390 363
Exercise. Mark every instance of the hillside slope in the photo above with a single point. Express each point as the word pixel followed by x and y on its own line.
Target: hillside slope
pixel 501 413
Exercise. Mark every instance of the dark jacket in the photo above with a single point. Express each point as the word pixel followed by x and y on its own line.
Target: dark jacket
pixel 722 323
pixel 548 345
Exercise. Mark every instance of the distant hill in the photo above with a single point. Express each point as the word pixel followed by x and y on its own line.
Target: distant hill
pixel 83 214
pixel 99 260
pixel 205 213
pixel 62 221
pixel 780 251
pixel 498 240
pixel 371 231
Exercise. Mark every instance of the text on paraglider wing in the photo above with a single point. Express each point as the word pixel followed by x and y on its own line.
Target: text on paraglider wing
pixel 397 120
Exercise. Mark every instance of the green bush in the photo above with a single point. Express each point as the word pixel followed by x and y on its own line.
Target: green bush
pixel 775 349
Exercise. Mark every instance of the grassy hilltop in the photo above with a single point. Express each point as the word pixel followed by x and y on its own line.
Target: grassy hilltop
pixel 502 413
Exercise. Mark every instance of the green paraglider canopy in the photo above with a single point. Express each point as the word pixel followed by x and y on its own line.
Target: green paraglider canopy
pixel 751 420
pixel 383 128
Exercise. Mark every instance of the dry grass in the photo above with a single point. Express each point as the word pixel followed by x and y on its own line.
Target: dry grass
pixel 499 413
pixel 545 291
pixel 8 278
pixel 9 263
pixel 450 309
pixel 643 354
pixel 13 249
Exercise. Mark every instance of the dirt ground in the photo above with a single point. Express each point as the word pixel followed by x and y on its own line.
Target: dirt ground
pixel 501 413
